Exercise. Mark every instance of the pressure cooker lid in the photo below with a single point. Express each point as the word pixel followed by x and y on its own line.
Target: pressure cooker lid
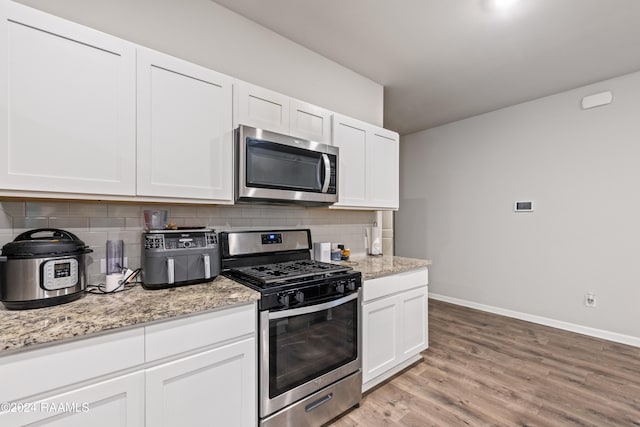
pixel 45 241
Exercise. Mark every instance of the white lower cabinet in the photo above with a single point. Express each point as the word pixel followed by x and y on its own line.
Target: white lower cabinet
pixel 193 371
pixel 117 402
pixel 380 337
pixel 413 309
pixel 76 383
pixel 394 324
pixel 215 387
pixel 214 382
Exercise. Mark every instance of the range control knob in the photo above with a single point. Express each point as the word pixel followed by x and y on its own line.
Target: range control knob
pixel 340 287
pixel 300 297
pixel 283 299
pixel 351 285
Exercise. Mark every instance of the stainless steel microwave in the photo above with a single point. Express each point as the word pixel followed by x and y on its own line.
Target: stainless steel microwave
pixel 275 168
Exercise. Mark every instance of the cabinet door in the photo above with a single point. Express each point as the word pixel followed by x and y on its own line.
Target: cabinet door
pixel 185 132
pixel 413 309
pixel 310 122
pixel 112 403
pixel 67 106
pixel 215 387
pixel 262 108
pixel 380 330
pixel 382 160
pixel 351 137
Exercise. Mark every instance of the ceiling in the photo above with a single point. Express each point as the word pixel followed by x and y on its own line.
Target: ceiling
pixel 444 60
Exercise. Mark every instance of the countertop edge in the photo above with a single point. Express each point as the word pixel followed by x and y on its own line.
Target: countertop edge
pixel 114 330
pixel 89 316
pixel 374 267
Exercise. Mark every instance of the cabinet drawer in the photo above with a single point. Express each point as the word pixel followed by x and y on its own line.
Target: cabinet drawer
pixel 117 402
pixel 388 285
pixel 178 336
pixel 48 368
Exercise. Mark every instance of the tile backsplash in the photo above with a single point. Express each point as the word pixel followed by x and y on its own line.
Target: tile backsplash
pixel 97 222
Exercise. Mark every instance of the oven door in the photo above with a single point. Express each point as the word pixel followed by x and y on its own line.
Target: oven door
pixel 305 349
pixel 278 167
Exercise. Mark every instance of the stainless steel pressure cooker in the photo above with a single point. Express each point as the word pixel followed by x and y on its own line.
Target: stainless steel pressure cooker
pixel 42 267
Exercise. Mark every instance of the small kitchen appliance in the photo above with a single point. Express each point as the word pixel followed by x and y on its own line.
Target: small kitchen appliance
pixel 280 169
pixel 41 268
pixel 309 326
pixel 179 257
pixel 322 251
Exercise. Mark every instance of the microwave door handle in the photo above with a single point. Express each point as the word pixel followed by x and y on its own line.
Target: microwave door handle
pixel 327 173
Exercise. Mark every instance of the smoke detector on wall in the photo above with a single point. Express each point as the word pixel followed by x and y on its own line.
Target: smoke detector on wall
pixel 597 100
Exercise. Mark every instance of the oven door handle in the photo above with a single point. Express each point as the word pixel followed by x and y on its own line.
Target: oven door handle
pixel 312 308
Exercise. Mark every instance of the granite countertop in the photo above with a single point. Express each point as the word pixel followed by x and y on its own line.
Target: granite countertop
pixel 93 314
pixel 100 313
pixel 372 267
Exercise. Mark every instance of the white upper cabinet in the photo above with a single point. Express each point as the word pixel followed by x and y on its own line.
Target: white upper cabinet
pixel 67 106
pixel 262 108
pixel 382 154
pixel 273 111
pixel 310 122
pixel 351 138
pixel 184 113
pixel 369 165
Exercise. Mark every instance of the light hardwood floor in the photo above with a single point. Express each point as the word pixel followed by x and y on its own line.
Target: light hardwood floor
pixel 483 369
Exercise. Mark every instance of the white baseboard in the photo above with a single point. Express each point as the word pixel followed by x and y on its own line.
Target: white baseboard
pixel 572 327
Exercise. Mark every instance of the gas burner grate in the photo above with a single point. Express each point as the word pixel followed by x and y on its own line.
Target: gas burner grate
pixel 290 270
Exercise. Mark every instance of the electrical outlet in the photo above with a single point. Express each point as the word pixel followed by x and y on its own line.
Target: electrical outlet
pixel 590 299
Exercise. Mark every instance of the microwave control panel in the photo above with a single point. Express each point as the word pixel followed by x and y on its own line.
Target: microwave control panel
pixel 332 178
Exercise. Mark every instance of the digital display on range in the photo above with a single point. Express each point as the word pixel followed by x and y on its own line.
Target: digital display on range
pixel 271 238
pixel 62 270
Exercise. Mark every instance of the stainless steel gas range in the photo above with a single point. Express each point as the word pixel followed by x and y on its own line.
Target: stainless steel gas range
pixel 309 326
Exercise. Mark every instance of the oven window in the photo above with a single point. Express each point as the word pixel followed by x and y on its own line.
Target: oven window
pixel 305 347
pixel 272 165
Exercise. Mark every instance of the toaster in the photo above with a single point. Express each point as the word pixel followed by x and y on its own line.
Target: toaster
pixel 179 257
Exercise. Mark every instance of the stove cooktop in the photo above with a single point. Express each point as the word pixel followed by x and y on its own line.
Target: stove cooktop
pixel 288 271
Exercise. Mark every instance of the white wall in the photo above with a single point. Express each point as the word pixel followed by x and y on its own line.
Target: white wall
pixel 581 167
pixel 205 33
